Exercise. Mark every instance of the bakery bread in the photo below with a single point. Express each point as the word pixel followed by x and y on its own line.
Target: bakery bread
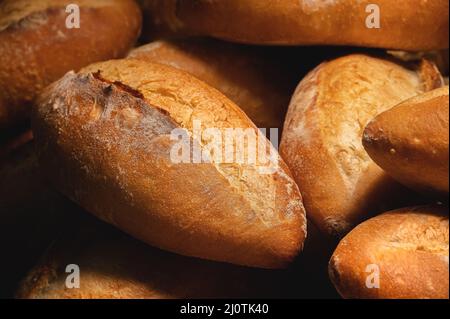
pixel 410 142
pixel 440 58
pixel 108 138
pixel 321 142
pixel 32 215
pixel 114 266
pixel 401 254
pixel 38 48
pixel 259 83
pixel 417 25
pixel 260 80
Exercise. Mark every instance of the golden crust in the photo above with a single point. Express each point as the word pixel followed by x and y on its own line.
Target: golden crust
pixel 410 248
pixel 260 85
pixel 115 266
pixel 410 142
pixel 419 25
pixel 37 48
pixel 322 144
pixel 113 147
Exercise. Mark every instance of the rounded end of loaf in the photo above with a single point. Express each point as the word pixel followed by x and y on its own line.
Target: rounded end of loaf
pixel 322 136
pixel 94 128
pixel 410 142
pixel 402 254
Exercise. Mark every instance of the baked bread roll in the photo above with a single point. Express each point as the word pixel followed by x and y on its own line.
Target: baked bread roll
pixel 404 253
pixel 419 25
pixel 260 84
pixel 115 266
pixel 108 138
pixel 32 215
pixel 38 48
pixel 322 138
pixel 410 142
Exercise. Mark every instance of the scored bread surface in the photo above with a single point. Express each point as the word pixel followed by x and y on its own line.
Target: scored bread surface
pixel 110 126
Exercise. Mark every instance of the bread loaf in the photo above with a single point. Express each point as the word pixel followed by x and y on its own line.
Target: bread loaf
pixel 401 254
pixel 32 215
pixel 37 45
pixel 115 266
pixel 261 85
pixel 415 25
pixel 439 58
pixel 322 145
pixel 410 142
pixel 106 140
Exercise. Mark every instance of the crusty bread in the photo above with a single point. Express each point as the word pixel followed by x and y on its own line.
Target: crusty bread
pixel 261 85
pixel 404 253
pixel 440 58
pixel 104 137
pixel 412 25
pixel 410 142
pixel 321 142
pixel 37 48
pixel 115 266
pixel 32 215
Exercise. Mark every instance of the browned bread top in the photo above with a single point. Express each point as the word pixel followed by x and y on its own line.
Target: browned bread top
pixel 411 25
pixel 322 137
pixel 38 48
pixel 410 142
pixel 109 129
pixel 259 83
pixel 404 253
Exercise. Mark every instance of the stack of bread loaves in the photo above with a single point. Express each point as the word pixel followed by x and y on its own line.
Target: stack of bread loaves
pixel 175 143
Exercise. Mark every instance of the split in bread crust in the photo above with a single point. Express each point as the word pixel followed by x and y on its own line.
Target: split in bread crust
pixel 260 84
pixel 104 137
